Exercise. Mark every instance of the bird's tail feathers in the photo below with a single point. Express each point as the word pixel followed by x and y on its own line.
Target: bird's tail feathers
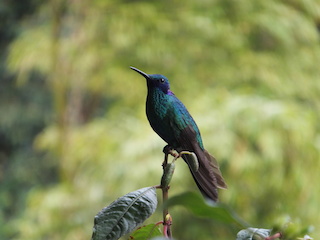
pixel 216 170
pixel 208 177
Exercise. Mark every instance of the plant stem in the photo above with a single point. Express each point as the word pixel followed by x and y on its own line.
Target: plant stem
pixel 277 235
pixel 165 194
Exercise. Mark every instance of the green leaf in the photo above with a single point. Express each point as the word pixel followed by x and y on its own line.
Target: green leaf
pixel 291 228
pixel 124 214
pixel 161 238
pixel 146 232
pixel 196 204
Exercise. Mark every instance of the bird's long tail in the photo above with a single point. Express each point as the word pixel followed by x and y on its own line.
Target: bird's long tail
pixel 208 177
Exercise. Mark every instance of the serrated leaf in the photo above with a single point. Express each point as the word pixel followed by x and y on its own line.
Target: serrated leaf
pixel 124 214
pixel 196 204
pixel 146 232
pixel 253 234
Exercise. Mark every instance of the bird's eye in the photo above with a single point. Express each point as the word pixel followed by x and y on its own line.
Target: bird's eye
pixel 162 80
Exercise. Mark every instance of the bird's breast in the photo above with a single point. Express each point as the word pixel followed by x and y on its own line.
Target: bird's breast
pixel 157 109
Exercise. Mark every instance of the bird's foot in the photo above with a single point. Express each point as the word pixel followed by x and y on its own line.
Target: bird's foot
pixel 165 150
pixel 168 150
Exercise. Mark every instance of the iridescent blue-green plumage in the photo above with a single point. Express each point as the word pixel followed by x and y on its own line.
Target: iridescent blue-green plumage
pixel 170 119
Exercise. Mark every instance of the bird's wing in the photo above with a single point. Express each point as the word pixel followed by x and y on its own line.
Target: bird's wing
pixel 183 126
pixel 208 177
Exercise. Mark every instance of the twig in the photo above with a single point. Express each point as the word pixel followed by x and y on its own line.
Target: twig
pixel 168 169
pixel 277 235
pixel 167 219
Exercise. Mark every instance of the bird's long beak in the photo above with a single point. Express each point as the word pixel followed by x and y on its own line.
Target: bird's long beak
pixel 139 71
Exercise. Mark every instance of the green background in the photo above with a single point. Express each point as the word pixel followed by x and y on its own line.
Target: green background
pixel 73 131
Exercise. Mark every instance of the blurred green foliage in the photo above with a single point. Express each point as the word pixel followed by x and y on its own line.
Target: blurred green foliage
pixel 74 135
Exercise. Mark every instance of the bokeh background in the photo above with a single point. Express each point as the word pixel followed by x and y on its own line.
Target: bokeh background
pixel 73 131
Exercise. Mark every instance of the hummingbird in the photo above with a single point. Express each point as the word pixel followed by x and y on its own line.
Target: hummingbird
pixel 170 119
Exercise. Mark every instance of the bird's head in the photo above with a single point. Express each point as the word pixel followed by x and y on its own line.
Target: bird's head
pixel 155 81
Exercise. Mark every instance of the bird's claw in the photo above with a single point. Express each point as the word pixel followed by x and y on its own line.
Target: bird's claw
pixel 170 150
pixel 167 149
